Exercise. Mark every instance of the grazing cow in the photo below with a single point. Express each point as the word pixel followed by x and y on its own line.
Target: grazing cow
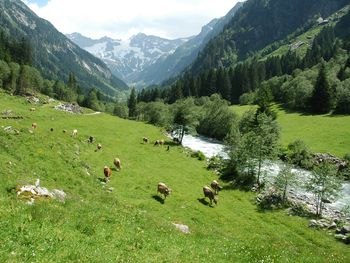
pixel 91 139
pixel 107 172
pixel 51 129
pixel 163 189
pixel 159 142
pixel 75 133
pixel 32 109
pixel 209 193
pixel 117 164
pixel 34 125
pixel 216 187
pixel 145 140
pixel 99 146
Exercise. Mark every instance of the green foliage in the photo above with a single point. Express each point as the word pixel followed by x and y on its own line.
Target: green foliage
pixel 198 155
pixel 247 98
pixel 121 110
pixel 321 99
pixel 343 98
pixel 217 119
pixel 156 113
pixel 324 184
pixel 258 143
pixel 284 180
pixel 299 154
pixel 270 199
pixel 132 102
pixel 127 224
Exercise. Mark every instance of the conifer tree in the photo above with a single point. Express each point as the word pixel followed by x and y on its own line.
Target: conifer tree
pixel 321 97
pixel 132 102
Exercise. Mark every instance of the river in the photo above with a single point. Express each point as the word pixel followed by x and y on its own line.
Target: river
pixel 210 147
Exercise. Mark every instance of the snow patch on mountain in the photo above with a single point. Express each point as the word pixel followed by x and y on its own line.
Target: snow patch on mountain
pixel 129 57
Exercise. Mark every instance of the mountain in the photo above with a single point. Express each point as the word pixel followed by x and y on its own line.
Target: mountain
pixel 53 53
pixel 128 58
pixel 259 23
pixel 175 63
pixel 144 60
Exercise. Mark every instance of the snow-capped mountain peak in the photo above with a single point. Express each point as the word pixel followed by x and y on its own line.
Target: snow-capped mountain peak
pixel 128 57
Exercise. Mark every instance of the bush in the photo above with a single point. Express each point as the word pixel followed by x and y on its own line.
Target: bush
pixel 271 198
pixel 247 98
pixel 216 163
pixel 299 209
pixel 199 155
pixel 343 100
pixel 299 154
pixel 121 110
pixel 347 157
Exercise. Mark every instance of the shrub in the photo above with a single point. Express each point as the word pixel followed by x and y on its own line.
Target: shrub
pixel 216 163
pixel 299 209
pixel 299 154
pixel 271 198
pixel 199 155
pixel 247 98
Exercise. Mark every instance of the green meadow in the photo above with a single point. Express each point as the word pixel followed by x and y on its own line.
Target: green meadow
pixel 322 133
pixel 131 223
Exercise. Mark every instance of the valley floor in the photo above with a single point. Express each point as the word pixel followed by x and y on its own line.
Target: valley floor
pixel 322 133
pixel 131 224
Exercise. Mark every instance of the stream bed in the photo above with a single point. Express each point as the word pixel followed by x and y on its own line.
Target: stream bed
pixel 211 147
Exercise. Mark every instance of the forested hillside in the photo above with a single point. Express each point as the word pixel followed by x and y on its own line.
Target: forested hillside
pixel 287 73
pixel 54 55
pixel 259 23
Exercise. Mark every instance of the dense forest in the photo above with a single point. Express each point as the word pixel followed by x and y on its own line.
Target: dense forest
pixel 291 78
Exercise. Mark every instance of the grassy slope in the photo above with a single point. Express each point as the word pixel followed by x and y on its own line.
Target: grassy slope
pixel 322 133
pixel 129 225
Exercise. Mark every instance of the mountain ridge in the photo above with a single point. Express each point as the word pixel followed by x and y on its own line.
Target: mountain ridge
pixel 154 69
pixel 54 54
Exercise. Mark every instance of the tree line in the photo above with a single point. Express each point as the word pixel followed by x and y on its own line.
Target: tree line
pixel 245 77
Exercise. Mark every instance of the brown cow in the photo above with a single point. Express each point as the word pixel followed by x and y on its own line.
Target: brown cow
pixel 107 172
pixel 209 193
pixel 117 164
pixel 145 140
pixel 163 189
pixel 216 187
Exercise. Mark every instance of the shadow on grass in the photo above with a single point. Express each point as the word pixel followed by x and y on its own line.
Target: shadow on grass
pixel 204 202
pixel 101 180
pixel 158 199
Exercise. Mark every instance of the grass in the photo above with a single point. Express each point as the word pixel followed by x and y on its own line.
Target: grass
pixel 130 224
pixel 322 133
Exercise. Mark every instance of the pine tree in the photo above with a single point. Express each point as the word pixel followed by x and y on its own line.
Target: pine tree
pixel 132 102
pixel 322 95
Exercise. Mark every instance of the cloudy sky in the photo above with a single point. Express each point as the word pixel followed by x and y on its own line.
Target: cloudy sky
pixel 124 18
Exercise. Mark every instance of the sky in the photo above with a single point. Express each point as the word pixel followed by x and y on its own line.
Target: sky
pixel 124 18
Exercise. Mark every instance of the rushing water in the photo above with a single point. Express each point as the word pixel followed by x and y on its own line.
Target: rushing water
pixel 210 147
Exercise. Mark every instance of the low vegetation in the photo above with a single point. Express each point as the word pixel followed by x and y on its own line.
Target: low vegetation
pixel 124 220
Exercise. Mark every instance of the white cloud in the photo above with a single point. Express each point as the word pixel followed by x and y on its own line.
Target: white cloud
pixel 123 18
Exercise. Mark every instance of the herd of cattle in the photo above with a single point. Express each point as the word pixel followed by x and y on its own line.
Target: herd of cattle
pixel 162 188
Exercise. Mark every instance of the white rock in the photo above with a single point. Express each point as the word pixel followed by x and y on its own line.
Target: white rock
pixel 183 228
